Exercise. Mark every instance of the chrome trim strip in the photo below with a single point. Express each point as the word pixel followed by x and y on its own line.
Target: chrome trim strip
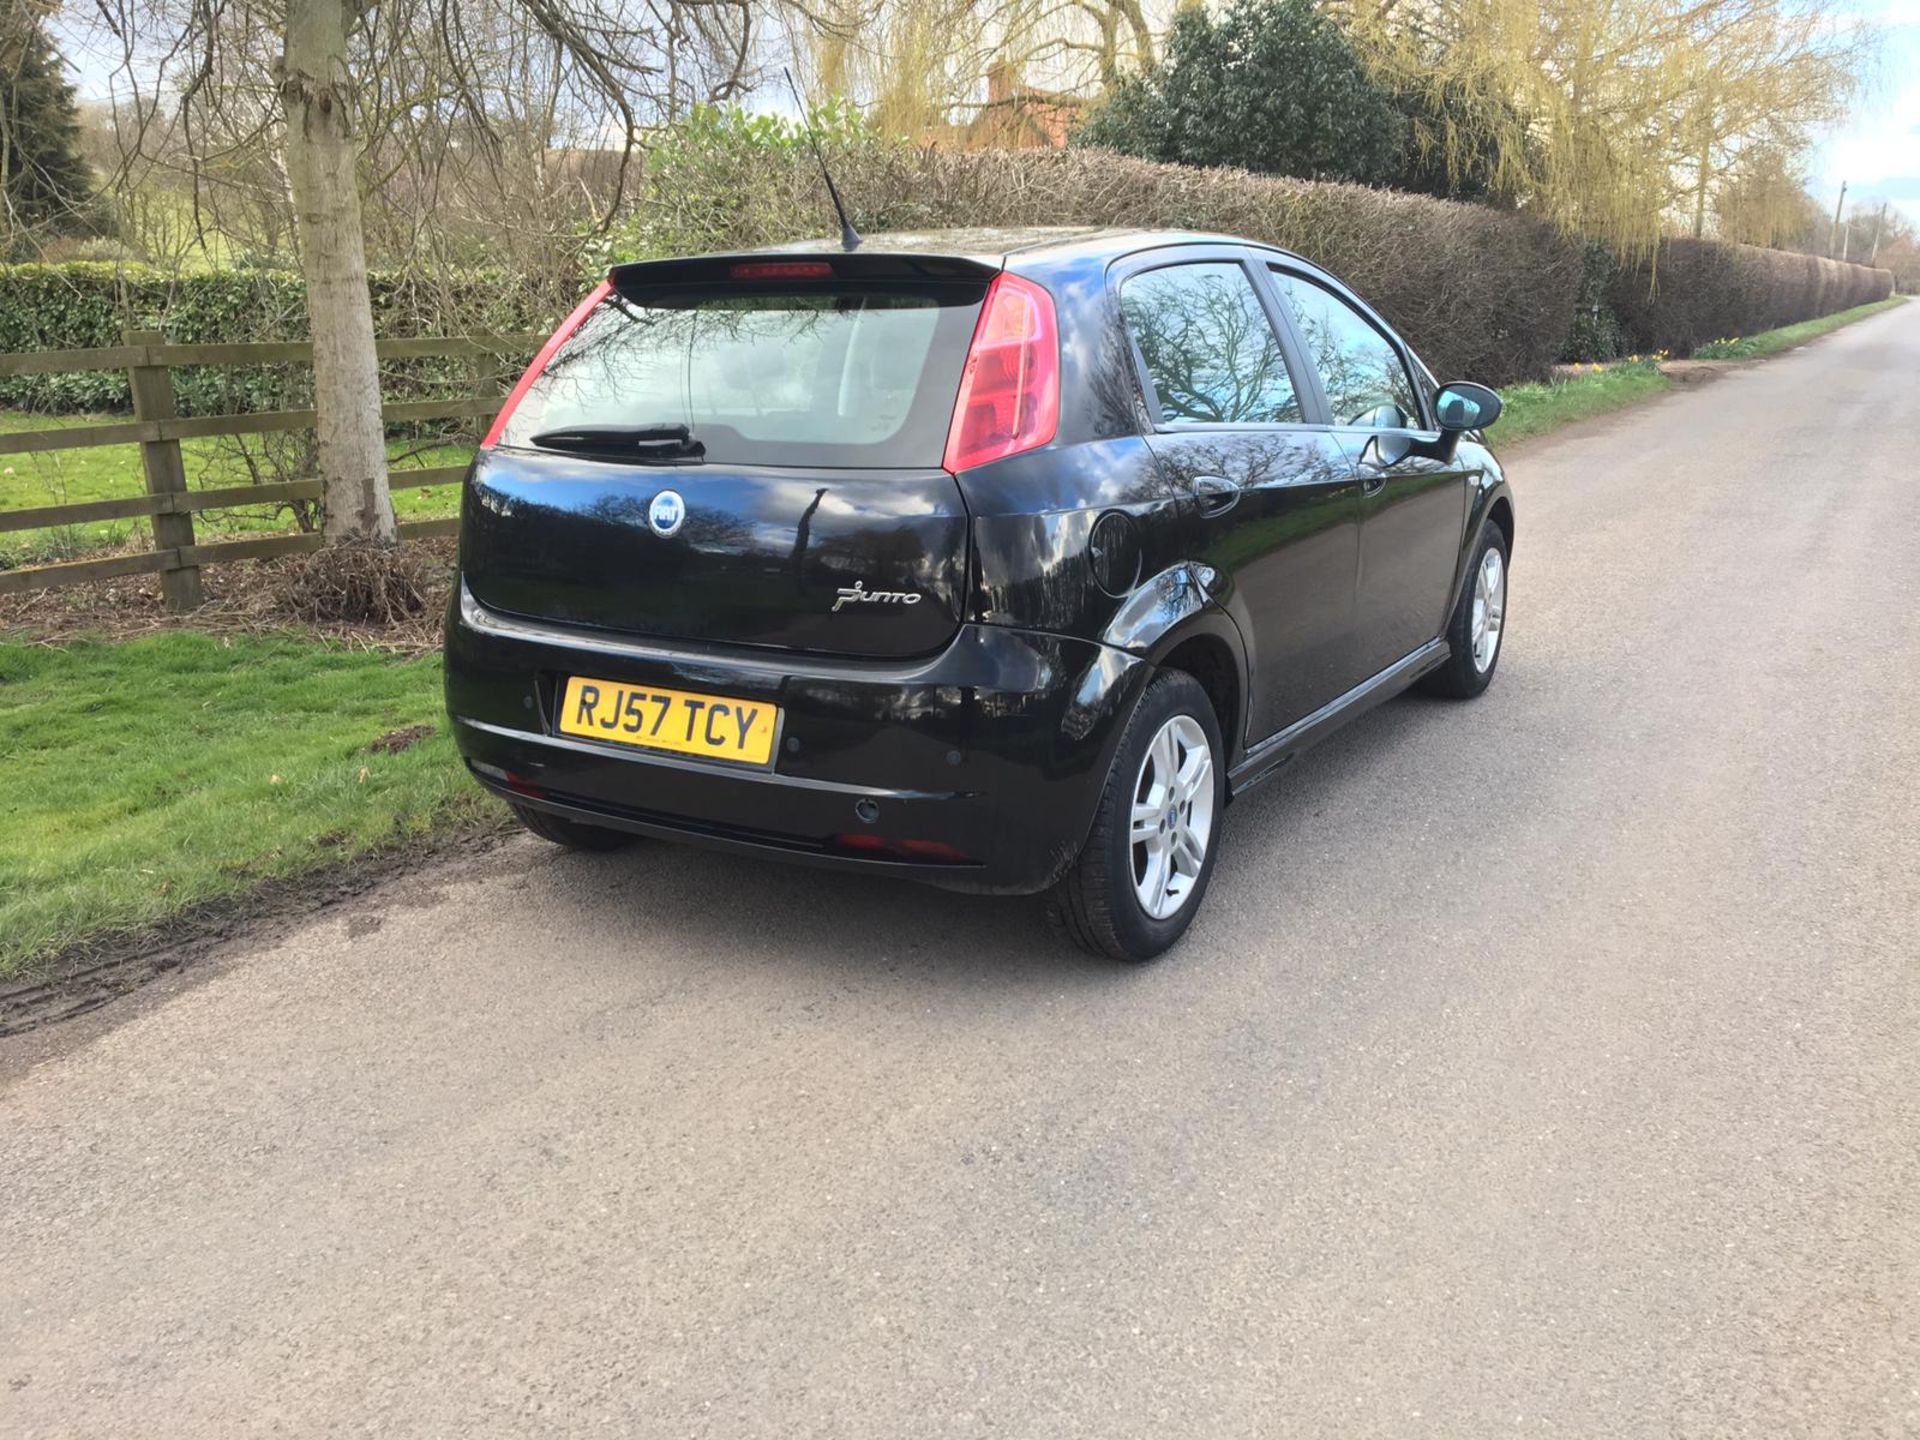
pixel 478 617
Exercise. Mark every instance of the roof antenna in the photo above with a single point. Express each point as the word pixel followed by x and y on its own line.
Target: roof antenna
pixel 849 237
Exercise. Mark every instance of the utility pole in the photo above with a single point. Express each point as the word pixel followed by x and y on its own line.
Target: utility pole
pixel 1833 235
pixel 1878 224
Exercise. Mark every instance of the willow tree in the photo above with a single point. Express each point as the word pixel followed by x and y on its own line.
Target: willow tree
pixel 1764 79
pixel 1764 201
pixel 314 83
pixel 1618 118
pixel 918 66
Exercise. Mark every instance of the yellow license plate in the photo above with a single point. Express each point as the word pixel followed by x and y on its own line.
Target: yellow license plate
pixel 715 727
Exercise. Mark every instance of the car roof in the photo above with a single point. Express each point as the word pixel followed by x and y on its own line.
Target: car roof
pixel 978 252
pixel 996 246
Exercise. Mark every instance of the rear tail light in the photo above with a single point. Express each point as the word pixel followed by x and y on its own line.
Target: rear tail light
pixel 544 358
pixel 1010 389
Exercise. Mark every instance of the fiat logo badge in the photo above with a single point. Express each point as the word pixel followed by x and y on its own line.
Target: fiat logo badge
pixel 667 513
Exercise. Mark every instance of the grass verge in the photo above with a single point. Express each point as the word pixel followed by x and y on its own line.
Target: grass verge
pixel 1535 408
pixel 1772 342
pixel 153 775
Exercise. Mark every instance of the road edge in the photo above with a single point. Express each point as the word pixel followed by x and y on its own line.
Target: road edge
pixel 103 968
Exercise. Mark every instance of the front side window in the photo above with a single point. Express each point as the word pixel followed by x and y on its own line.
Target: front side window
pixel 1210 351
pixel 1366 382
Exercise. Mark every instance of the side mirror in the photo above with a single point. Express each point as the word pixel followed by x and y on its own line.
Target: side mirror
pixel 1460 406
pixel 1463 405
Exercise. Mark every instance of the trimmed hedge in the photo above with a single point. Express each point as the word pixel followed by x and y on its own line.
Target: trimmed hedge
pixel 88 304
pixel 1481 293
pixel 1485 294
pixel 1478 292
pixel 1695 291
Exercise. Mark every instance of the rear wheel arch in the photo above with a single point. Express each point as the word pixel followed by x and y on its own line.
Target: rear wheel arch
pixel 1198 640
pixel 1179 612
pixel 1211 661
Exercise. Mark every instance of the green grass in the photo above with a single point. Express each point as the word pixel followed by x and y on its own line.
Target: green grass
pixel 1772 342
pixel 111 472
pixel 150 775
pixel 1535 408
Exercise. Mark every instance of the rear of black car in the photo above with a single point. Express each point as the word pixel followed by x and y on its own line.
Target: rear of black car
pixel 715 572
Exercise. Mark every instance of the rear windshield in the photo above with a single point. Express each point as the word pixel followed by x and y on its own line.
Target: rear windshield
pixel 844 376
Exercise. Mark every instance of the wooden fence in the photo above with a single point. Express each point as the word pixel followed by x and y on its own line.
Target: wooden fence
pixel 176 555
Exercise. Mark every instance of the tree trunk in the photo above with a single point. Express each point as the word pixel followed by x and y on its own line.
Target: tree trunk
pixel 1701 181
pixel 326 199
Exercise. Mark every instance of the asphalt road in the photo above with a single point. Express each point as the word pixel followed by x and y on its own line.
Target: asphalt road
pixel 1548 1065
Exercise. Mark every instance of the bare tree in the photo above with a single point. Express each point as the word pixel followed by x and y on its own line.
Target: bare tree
pixel 312 74
pixel 304 106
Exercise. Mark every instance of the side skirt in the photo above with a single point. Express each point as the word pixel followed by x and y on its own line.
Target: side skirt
pixel 1276 750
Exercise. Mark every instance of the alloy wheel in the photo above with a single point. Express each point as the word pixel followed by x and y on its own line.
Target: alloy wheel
pixel 1172 824
pixel 1489 608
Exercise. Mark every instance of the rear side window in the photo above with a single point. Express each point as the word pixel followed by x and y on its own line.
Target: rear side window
pixel 1210 351
pixel 849 377
pixel 1367 383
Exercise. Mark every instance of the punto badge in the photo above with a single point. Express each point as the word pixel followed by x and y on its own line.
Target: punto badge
pixel 858 594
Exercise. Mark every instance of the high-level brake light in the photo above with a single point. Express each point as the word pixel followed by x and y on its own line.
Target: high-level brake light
pixel 782 270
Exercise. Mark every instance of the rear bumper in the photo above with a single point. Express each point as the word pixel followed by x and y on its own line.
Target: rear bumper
pixel 996 748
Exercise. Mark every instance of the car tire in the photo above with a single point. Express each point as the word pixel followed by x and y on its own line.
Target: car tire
pixel 1102 904
pixel 1477 632
pixel 570 833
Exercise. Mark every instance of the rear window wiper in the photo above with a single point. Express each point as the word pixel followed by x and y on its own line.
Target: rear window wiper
pixel 628 442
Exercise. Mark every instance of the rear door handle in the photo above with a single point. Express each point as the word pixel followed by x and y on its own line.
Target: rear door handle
pixel 1215 494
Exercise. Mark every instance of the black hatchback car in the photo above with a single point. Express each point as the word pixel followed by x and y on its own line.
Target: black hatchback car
pixel 999 560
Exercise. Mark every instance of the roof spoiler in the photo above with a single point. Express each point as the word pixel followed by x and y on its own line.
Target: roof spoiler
pixel 759 266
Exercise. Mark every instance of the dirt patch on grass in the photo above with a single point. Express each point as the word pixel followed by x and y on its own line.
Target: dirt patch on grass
pixel 395 602
pixel 1699 372
pixel 394 741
